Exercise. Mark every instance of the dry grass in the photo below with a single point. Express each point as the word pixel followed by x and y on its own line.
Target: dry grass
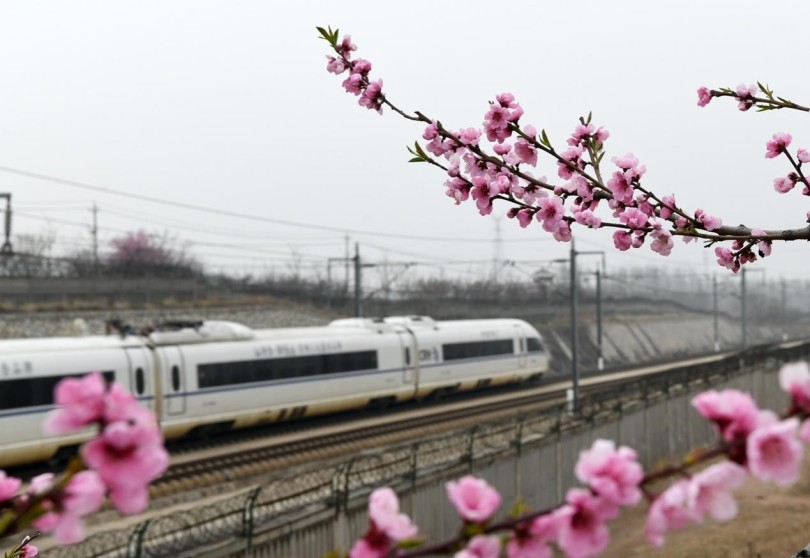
pixel 773 522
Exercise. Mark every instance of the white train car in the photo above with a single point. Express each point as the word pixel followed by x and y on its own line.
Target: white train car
pixel 29 370
pixel 207 376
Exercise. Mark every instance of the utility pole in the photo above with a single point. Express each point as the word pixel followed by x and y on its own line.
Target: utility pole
pixel 94 233
pixel 358 291
pixel 574 364
pixel 600 360
pixel 574 400
pixel 6 249
pixel 347 259
pixel 744 305
pixel 496 256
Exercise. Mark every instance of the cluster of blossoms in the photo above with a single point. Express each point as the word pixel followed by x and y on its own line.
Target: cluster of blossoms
pixel 503 170
pixel 755 442
pixel 358 83
pixel 125 456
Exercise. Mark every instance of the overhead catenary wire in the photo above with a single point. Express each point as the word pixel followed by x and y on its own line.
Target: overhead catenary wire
pixel 246 216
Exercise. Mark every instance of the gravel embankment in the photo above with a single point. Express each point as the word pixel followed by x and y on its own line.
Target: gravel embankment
pixel 59 324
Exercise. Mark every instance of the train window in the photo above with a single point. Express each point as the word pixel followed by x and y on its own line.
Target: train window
pixel 534 345
pixel 31 392
pixel 407 355
pixel 175 378
pixel 243 372
pixel 140 381
pixel 478 349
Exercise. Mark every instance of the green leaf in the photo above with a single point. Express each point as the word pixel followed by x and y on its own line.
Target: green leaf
pixel 327 35
pixel 420 151
pixel 417 160
pixel 544 138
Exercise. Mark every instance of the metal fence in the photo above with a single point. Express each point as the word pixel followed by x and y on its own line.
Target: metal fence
pixel 308 514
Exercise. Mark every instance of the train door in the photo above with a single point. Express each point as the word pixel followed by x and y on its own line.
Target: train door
pixel 410 356
pixel 174 380
pixel 141 375
pixel 522 349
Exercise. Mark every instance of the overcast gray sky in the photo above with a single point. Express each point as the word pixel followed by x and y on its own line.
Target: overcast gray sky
pixel 227 105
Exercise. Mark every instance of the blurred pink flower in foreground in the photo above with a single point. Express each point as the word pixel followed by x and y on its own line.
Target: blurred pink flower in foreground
pixel 474 499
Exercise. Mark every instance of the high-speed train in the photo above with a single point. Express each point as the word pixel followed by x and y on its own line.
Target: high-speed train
pixel 213 375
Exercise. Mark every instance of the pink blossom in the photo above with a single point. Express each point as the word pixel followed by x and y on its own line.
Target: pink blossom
pixel 633 218
pixel 794 378
pixel 580 132
pixel 710 490
pixel 670 511
pixel 784 184
pixel 439 147
pixel 335 65
pixel 602 134
pixel 502 148
pixel 777 144
pixel 431 131
pixel 733 412
pixel 775 453
pixel 725 257
pixel 667 207
pixel 82 496
pixel 361 66
pixel 481 546
pixel 571 155
pixel 709 223
pixel 8 486
pixel 469 136
pixel 563 232
pixel 582 531
pixel 346 46
pixel 496 123
pixel 803 155
pixel 630 164
pixel 533 541
pixel 621 187
pixel 662 241
pixel 29 551
pixel 551 213
pixel 614 474
pixel 81 403
pixel 458 189
pixel 474 499
pixel 764 246
pixel 372 97
pixel 524 217
pixel 622 240
pixel 365 548
pixel 515 113
pixel 383 510
pixel 506 100
pixel 354 84
pixel 128 455
pixel 745 94
pixel 586 217
pixel 526 152
pixel 704 96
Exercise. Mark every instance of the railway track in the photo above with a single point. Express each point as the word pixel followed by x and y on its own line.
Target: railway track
pixel 234 463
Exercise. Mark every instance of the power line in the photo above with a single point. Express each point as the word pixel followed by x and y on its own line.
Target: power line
pixel 238 215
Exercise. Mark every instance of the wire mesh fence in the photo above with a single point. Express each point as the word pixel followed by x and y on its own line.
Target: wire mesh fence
pixel 531 457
